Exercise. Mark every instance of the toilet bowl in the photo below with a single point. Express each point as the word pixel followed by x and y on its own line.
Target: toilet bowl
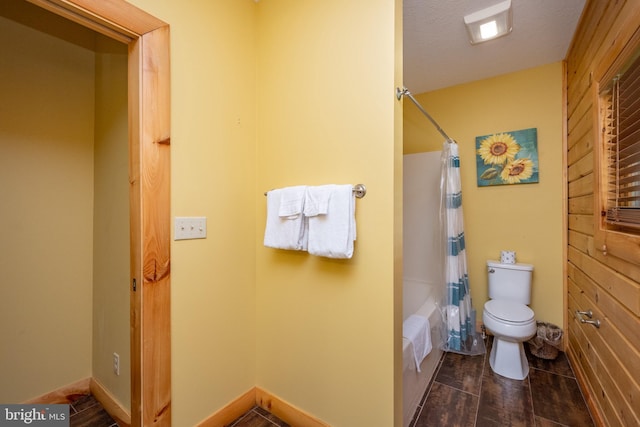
pixel 511 323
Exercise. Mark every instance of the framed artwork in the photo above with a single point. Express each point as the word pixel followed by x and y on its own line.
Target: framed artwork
pixel 507 158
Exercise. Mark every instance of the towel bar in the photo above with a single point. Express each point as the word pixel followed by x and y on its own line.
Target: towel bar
pixel 359 190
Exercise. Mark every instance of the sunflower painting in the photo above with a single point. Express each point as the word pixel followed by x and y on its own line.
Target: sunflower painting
pixel 507 158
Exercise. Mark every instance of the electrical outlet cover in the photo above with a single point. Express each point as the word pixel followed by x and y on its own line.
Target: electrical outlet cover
pixel 116 363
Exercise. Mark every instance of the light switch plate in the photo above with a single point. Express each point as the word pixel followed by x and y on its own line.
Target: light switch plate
pixel 194 227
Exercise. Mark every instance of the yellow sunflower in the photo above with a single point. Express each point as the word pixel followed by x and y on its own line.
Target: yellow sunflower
pixel 497 149
pixel 517 170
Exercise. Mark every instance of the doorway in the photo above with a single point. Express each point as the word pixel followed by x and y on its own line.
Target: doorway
pixel 147 39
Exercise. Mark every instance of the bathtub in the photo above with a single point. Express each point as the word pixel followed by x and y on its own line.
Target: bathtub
pixel 419 298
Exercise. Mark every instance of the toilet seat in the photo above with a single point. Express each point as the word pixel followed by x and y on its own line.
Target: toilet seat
pixel 509 312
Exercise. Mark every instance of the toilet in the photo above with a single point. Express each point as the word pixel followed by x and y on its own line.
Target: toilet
pixel 508 318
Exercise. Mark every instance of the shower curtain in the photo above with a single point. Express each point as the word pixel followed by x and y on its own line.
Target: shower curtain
pixel 459 334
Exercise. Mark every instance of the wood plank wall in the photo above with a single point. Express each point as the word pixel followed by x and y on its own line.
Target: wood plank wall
pixel 606 360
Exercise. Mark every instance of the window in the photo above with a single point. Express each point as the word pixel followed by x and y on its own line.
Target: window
pixel 620 101
pixel 617 168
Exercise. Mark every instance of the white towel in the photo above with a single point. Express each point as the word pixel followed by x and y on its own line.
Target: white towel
pixel 292 201
pixel 331 234
pixel 317 199
pixel 287 231
pixel 417 330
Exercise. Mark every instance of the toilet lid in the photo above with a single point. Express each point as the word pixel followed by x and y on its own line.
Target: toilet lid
pixel 509 311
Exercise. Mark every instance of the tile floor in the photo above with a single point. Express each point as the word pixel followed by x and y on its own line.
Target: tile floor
pixel 86 411
pixel 258 417
pixel 465 392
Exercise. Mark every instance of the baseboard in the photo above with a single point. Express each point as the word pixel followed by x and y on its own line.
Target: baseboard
pixel 63 395
pixel 285 411
pixel 232 411
pixel 110 404
pixel 69 393
pixel 257 396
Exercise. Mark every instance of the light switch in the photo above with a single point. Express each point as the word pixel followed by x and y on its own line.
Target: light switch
pixel 190 228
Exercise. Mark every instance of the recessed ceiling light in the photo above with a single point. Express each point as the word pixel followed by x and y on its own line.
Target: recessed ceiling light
pixel 490 23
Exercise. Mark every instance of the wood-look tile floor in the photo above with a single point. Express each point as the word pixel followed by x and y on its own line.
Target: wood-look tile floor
pixel 465 392
pixel 258 417
pixel 86 411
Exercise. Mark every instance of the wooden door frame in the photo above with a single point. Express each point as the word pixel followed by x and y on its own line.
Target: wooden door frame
pixel 150 219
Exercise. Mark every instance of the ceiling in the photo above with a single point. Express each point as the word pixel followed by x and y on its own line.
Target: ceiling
pixel 437 52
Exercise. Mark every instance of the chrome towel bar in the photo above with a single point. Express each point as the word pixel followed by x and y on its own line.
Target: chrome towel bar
pixel 359 190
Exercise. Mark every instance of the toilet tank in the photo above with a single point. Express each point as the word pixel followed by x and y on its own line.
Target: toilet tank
pixel 511 282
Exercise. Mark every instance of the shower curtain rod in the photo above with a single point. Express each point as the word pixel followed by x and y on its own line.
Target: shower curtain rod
pixel 404 91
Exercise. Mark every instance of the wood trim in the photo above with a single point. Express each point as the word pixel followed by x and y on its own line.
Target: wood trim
pixel 135 230
pixel 149 165
pixel 64 394
pixel 232 411
pixel 62 9
pixel 154 302
pixel 68 393
pixel 120 14
pixel 285 411
pixel 565 196
pixel 113 18
pixel 110 404
pixel 267 401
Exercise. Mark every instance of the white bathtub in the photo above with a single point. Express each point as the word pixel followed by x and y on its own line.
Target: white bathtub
pixel 419 298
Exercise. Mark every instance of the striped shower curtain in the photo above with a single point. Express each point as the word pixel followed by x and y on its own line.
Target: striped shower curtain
pixel 458 312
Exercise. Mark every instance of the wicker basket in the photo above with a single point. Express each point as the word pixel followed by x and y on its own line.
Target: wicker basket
pixel 546 342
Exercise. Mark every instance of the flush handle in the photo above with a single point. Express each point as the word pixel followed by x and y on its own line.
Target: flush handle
pixel 491 270
pixel 589 314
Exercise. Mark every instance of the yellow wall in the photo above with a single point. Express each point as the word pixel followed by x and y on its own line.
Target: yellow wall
pixel 326 334
pixel 267 95
pixel 525 218
pixel 213 150
pixel 318 333
pixel 111 222
pixel 46 171
pixel 63 102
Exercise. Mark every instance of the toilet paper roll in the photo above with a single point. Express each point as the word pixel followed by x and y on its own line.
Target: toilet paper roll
pixel 508 257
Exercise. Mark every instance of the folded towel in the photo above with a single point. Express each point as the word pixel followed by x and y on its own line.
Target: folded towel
pixel 320 219
pixel 284 232
pixel 331 234
pixel 417 330
pixel 317 199
pixel 292 201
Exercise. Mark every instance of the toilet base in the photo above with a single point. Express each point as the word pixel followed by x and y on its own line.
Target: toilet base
pixel 508 359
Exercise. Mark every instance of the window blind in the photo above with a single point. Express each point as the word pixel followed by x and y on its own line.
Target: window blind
pixel 621 136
